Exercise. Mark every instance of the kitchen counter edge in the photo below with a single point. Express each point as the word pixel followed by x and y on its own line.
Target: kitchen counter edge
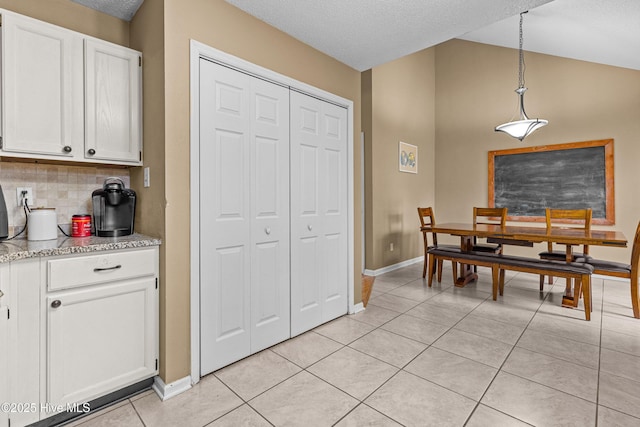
pixel 17 249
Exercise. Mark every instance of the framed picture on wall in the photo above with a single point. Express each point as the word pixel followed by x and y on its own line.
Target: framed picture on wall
pixel 407 157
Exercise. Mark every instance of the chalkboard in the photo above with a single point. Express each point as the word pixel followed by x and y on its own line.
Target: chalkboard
pixel 564 176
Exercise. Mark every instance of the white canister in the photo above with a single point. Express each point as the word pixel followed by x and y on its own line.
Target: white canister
pixel 42 225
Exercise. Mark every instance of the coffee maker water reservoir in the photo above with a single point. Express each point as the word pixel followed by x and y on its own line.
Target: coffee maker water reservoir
pixel 114 208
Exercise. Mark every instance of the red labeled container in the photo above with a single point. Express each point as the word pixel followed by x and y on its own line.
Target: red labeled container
pixel 81 226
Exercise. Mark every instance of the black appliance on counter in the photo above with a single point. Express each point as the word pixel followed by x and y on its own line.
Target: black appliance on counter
pixel 114 209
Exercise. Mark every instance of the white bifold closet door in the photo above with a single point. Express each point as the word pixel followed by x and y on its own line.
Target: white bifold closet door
pixel 319 219
pixel 244 215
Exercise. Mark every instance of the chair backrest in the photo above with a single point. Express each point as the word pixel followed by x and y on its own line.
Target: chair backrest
pixel 496 216
pixel 579 219
pixel 427 218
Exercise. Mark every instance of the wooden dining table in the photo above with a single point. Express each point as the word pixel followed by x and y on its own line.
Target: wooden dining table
pixel 525 236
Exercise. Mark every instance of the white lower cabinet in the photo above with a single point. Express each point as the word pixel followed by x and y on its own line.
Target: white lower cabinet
pixel 80 327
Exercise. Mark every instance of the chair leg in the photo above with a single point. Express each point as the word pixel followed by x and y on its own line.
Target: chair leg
pixel 501 282
pixel 495 281
pixel 551 280
pixel 424 268
pixel 454 268
pixel 432 262
pixel 577 291
pixel 440 270
pixel 541 282
pixel 634 296
pixel 586 285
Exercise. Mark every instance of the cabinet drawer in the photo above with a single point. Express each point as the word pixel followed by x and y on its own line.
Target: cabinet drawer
pixel 64 273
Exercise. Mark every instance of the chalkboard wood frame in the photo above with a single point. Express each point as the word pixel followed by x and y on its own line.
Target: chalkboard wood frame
pixel 568 176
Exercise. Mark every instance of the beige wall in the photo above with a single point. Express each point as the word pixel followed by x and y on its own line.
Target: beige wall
pixel 400 106
pixel 582 101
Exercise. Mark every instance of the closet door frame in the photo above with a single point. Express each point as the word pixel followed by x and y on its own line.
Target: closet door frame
pixel 200 50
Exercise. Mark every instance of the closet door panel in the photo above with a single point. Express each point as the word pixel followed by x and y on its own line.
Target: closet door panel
pixel 270 303
pixel 319 214
pixel 225 244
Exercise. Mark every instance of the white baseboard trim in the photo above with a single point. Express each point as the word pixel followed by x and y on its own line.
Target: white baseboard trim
pixel 393 267
pixel 357 308
pixel 167 391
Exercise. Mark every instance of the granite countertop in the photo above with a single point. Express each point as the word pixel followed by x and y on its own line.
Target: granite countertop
pixel 21 248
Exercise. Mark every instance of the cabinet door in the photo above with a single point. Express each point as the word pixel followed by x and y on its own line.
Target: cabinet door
pixel 100 339
pixel 319 219
pixel 113 82
pixel 43 91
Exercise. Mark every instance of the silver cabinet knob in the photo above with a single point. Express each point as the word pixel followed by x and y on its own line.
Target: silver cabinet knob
pixel 310 227
pixel 1 294
pixel 55 304
pixel 91 151
pixel 67 148
pixel 267 230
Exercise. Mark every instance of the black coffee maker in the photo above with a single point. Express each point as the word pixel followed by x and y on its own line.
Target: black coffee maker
pixel 114 209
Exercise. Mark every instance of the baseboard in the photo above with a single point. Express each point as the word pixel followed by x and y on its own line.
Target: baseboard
pixel 357 308
pixel 394 266
pixel 167 391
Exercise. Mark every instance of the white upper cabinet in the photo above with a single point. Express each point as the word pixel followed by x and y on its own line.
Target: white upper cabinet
pixel 113 78
pixel 67 96
pixel 42 88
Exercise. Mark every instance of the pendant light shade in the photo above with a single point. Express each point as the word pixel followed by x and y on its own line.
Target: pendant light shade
pixel 519 129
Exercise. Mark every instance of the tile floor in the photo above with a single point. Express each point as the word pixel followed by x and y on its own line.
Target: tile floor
pixel 428 357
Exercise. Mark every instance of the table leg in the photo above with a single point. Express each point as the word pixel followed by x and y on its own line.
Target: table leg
pixel 570 298
pixel 466 270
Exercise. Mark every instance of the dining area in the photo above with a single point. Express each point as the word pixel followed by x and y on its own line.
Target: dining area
pixel 567 235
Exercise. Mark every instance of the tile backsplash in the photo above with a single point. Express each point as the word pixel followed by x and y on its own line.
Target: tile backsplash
pixel 66 188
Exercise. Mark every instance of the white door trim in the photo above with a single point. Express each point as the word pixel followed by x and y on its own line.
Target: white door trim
pixel 199 50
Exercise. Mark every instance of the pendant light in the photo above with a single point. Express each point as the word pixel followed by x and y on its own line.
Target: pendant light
pixel 519 129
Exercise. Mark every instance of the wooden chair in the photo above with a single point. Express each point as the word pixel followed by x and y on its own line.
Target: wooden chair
pixel 579 219
pixel 495 216
pixel 427 218
pixel 627 271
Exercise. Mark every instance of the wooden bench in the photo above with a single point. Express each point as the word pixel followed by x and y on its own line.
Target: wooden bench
pixel 499 263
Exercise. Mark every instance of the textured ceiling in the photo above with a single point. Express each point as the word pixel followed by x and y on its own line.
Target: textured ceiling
pixel 123 9
pixel 365 33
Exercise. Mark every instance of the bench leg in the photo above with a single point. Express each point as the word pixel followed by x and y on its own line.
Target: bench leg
pixel 454 268
pixel 541 282
pixel 586 291
pixel 495 280
pixel 502 272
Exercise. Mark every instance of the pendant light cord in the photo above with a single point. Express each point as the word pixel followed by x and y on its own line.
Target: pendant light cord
pixel 521 66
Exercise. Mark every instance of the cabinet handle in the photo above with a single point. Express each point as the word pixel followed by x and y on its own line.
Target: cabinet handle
pixel 67 149
pixel 267 230
pixel 115 267
pixel 310 227
pixel 1 294
pixel 55 304
pixel 91 151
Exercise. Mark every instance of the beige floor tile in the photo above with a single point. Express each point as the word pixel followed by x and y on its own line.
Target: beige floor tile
pixel 413 401
pixel 609 417
pixel 627 325
pixel 303 400
pixel 389 347
pixel 243 416
pixel 561 348
pixel 344 329
pixel 123 416
pixel 393 302
pixel 504 312
pixel 568 377
pixel 363 415
pixel 537 404
pixel 619 393
pixel 489 328
pixel 437 314
pixel 484 416
pixel 621 342
pixel 201 404
pixel 417 290
pixel 383 285
pixel 562 326
pixel 460 299
pixel 620 364
pixel 474 347
pixel 104 413
pixel 353 372
pixel 306 349
pixel 416 329
pixel 453 372
pixel 256 374
pixel 375 315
